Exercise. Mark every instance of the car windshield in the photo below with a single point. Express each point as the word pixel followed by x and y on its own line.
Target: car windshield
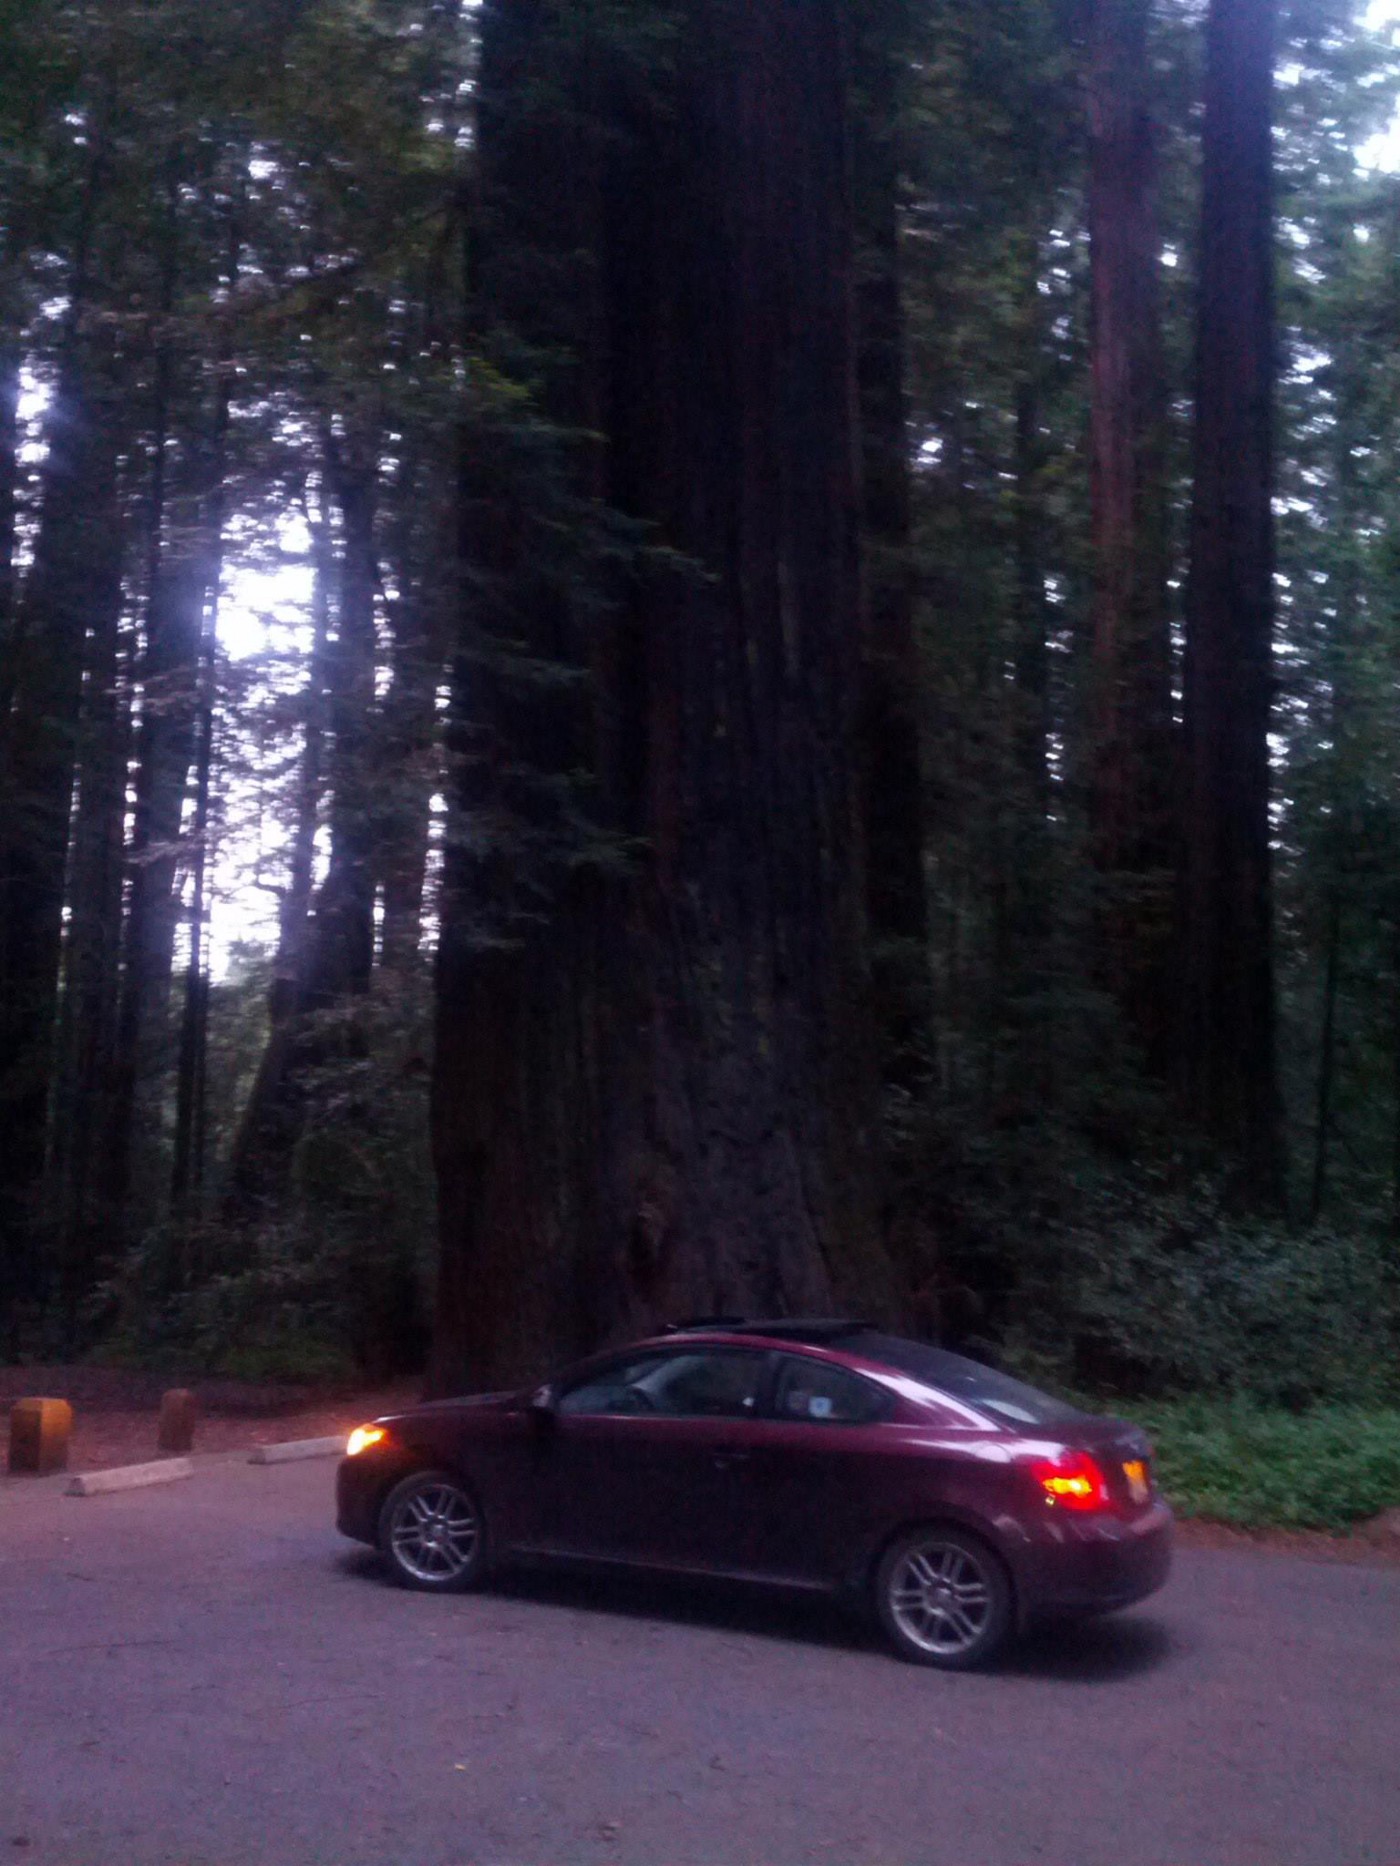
pixel 982 1387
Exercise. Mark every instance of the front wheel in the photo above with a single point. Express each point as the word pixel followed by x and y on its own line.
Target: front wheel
pixel 431 1533
pixel 943 1599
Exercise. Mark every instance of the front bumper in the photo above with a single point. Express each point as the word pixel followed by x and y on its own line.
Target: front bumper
pixel 361 1484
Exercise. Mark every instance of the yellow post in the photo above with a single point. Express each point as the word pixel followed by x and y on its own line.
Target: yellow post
pixel 39 1434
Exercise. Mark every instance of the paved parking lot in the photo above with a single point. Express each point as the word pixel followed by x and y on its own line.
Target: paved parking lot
pixel 206 1674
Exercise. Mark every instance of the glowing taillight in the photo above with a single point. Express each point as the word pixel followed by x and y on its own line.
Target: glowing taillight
pixel 1071 1482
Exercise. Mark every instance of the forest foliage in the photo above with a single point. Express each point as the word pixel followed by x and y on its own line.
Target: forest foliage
pixel 358 471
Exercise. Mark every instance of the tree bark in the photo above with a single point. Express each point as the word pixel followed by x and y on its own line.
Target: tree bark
pixel 326 948
pixel 411 758
pixel 890 713
pixel 86 1079
pixel 188 1152
pixel 69 568
pixel 1326 1057
pixel 271 1121
pixel 39 743
pixel 342 933
pixel 1227 1021
pixel 1134 752
pixel 1030 649
pixel 183 563
pixel 654 1091
pixel 10 358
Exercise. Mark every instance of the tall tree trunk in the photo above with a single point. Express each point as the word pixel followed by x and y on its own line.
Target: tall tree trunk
pixel 1227 1023
pixel 1030 611
pixel 1342 835
pixel 39 741
pixel 654 1091
pixel 182 562
pixel 14 308
pixel 1134 754
pixel 324 960
pixel 1025 880
pixel 10 359
pixel 86 1081
pixel 410 738
pixel 188 1150
pixel 68 572
pixel 890 714
pixel 271 1121
pixel 188 1153
pixel 342 934
pixel 1326 1057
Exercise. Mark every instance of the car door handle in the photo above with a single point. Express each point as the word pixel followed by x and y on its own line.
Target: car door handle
pixel 723 1459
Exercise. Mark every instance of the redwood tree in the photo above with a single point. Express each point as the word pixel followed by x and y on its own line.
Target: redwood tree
pixel 654 1088
pixel 1133 740
pixel 1227 1023
pixel 891 753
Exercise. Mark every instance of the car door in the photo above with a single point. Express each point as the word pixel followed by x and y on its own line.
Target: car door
pixel 819 1466
pixel 641 1460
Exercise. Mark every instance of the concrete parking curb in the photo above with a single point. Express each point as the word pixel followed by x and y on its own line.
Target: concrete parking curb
pixel 129 1477
pixel 298 1448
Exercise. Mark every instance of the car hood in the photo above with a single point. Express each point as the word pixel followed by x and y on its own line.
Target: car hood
pixel 465 1402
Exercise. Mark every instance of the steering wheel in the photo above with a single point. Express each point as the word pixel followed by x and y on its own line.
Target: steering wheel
pixel 635 1399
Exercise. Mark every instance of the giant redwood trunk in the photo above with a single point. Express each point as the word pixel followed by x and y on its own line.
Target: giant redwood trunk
pixel 1227 1024
pixel 1134 753
pixel 9 486
pixel 86 1081
pixel 890 715
pixel 654 1088
pixel 63 592
pixel 418 616
pixel 341 951
pixel 184 570
pixel 260 1158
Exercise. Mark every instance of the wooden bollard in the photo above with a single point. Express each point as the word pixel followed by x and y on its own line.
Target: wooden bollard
pixel 179 1413
pixel 39 1434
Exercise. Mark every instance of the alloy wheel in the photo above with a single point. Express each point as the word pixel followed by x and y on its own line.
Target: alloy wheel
pixel 433 1532
pixel 944 1598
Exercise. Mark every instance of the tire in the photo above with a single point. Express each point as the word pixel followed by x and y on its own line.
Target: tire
pixel 943 1598
pixel 431 1533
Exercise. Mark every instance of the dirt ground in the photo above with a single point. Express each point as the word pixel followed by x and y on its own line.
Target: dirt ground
pixel 115 1411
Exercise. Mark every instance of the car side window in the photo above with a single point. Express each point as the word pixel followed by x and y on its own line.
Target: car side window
pixel 815 1393
pixel 614 1389
pixel 704 1383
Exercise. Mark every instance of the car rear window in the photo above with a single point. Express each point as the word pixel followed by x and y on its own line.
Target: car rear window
pixel 811 1390
pixel 996 1393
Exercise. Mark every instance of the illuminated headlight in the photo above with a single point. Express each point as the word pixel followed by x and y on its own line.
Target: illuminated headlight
pixel 362 1438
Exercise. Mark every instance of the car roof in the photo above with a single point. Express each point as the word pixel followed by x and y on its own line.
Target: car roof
pixel 935 1372
pixel 808 1331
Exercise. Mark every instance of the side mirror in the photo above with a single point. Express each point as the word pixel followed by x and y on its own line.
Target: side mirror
pixel 544 1404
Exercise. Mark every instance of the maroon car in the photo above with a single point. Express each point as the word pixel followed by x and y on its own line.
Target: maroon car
pixel 825 1455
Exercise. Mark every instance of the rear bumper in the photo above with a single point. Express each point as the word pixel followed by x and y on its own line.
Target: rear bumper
pixel 1098 1563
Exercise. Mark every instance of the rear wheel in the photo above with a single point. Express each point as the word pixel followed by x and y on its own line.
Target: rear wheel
pixel 943 1598
pixel 431 1533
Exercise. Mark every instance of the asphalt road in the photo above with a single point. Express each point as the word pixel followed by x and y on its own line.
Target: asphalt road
pixel 206 1674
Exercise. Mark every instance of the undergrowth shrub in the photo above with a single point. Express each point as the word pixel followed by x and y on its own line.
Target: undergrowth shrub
pixel 1238 1462
pixel 1176 1295
pixel 1107 1275
pixel 335 1281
